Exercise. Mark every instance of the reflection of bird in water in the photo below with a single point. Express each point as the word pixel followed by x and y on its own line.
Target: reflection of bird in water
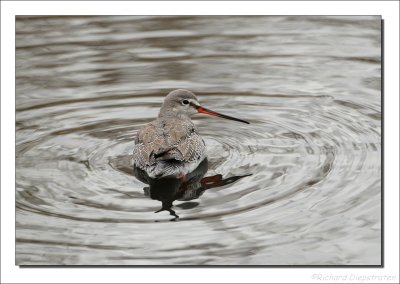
pixel 171 146
pixel 192 186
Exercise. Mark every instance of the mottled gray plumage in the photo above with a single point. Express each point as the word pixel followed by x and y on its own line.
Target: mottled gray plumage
pixel 171 144
pixel 167 139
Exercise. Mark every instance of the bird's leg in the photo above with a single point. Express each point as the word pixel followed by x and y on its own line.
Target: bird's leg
pixel 183 185
pixel 211 181
pixel 183 179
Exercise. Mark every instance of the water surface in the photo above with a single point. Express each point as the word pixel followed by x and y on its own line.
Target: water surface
pixel 302 182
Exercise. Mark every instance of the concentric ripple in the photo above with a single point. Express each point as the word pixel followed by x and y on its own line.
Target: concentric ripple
pixel 295 147
pixel 311 160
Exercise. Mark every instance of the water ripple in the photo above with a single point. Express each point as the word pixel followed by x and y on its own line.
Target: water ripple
pixel 309 160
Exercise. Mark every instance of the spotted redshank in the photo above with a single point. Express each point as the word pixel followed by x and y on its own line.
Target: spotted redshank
pixel 171 146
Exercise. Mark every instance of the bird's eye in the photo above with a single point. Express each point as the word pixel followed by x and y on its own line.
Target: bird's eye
pixel 185 102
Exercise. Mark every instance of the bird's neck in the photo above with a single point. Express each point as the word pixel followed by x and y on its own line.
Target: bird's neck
pixel 168 113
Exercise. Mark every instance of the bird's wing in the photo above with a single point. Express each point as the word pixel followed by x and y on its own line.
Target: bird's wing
pixel 171 139
pixel 144 141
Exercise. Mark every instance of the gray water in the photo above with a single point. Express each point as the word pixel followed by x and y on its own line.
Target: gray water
pixel 309 191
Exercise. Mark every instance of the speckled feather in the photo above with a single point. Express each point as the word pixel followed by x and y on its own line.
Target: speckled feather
pixel 171 139
pixel 171 145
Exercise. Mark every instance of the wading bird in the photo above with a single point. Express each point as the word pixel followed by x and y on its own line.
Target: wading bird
pixel 171 146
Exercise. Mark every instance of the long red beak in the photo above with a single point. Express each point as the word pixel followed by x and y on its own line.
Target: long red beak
pixel 201 109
